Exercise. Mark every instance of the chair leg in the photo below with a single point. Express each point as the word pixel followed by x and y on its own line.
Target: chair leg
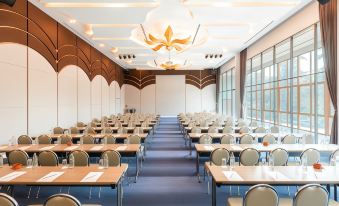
pixel 99 195
pixel 29 192
pixel 37 194
pixel 238 191
pixel 288 189
pixel 90 193
pixel 335 192
pixel 69 188
pixel 230 190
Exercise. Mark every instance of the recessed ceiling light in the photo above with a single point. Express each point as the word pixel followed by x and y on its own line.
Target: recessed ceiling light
pixel 88 30
pixel 129 61
pixel 101 45
pixel 72 21
pixel 114 50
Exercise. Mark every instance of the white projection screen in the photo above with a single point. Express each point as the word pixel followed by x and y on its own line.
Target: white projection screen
pixel 170 94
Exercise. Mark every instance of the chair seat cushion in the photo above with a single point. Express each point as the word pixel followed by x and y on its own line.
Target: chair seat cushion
pixel 238 202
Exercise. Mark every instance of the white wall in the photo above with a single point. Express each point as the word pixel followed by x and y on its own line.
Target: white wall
pixel 133 98
pixel 193 99
pixel 148 99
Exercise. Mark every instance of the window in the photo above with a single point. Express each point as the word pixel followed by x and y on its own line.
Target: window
pixel 286 86
pixel 228 92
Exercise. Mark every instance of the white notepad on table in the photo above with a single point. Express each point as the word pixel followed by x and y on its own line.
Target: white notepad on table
pixel 11 176
pixel 24 148
pixel 46 148
pixel 70 148
pixel 96 148
pixel 50 177
pixel 237 148
pixel 121 148
pixel 208 147
pixel 92 177
pixel 277 175
pixel 232 175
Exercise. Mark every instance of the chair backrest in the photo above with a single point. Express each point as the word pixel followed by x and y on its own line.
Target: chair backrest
pixel 263 195
pixel 217 155
pixel 229 123
pixel 24 139
pixel 44 139
pixel 196 130
pixel 242 123
pixel 226 139
pixel 203 123
pixel 335 154
pixel 308 139
pixel 17 156
pixel 249 157
pixel 6 200
pixel 117 124
pixel 260 130
pixel 212 129
pixel 87 139
pixel 110 139
pixel 90 130
pixel 81 124
pixel 253 124
pixel 62 199
pixel 81 158
pixel 138 130
pixel 244 129
pixel 64 139
pixel 58 130
pixel 122 130
pixel 48 158
pixel 205 138
pixel 114 158
pixel 311 194
pixel 227 129
pixel 289 139
pixel 313 156
pixel 106 130
pixel 280 157
pixel 246 139
pixel 134 139
pixel 74 130
pixel 269 138
pixel 216 124
pixel 274 129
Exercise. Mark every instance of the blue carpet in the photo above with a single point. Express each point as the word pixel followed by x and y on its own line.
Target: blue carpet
pixel 167 178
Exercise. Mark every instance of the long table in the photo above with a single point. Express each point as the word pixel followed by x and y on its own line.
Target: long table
pixel 100 136
pixel 115 129
pixel 129 150
pixel 290 148
pixel 77 176
pixel 277 175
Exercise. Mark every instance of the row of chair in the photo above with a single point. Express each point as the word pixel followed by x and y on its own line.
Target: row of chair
pixel 86 139
pixel 105 130
pixel 50 158
pixel 229 129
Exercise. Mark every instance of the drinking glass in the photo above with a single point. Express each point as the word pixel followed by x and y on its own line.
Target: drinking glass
pixel 223 162
pixel 64 163
pixel 101 163
pixel 29 163
pixel 263 161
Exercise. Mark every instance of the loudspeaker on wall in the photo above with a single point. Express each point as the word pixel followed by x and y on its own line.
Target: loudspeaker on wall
pixel 8 2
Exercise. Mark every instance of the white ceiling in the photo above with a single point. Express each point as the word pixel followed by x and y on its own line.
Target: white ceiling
pixel 231 26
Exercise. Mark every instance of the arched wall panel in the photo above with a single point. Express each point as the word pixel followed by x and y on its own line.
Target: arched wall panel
pixel 112 98
pixel 42 94
pixel 96 97
pixel 84 97
pixel 208 102
pixel 132 99
pixel 67 96
pixel 105 98
pixel 13 91
pixel 122 99
pixel 148 99
pixel 193 98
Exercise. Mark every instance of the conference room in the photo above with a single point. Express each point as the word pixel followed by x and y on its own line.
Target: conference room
pixel 169 102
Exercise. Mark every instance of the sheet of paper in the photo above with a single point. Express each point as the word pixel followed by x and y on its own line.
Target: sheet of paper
pixel 237 148
pixel 92 177
pixel 46 148
pixel 233 175
pixel 50 177
pixel 277 175
pixel 96 148
pixel 208 147
pixel 11 176
pixel 70 148
pixel 121 148
pixel 24 148
pixel 3 147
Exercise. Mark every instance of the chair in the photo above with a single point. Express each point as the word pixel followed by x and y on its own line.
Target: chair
pixel 81 124
pixel 246 139
pixel 109 139
pixel 205 138
pixel 6 200
pixel 134 139
pixel 216 124
pixel 212 129
pixel 217 155
pixel 62 199
pixel 244 129
pixel 280 157
pixel 138 130
pixel 313 156
pixel 74 130
pixel 226 139
pixel 196 130
pixel 311 194
pixel 64 139
pixel 260 130
pixel 253 124
pixel 44 139
pixel 117 124
pixel 114 158
pixel 274 129
pixel 48 158
pixel 106 130
pixel 308 139
pixel 87 139
pixel 227 129
pixel 122 130
pixel 24 139
pixel 90 130
pixel 93 124
pixel 58 130
pixel 249 157
pixel 258 195
pixel 81 158
pixel 269 138
pixel 289 139
pixel 17 156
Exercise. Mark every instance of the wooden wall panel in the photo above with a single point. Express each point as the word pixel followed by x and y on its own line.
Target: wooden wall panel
pixel 27 25
pixel 197 78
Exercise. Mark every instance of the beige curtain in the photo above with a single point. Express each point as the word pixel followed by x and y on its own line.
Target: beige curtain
pixel 243 58
pixel 328 26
